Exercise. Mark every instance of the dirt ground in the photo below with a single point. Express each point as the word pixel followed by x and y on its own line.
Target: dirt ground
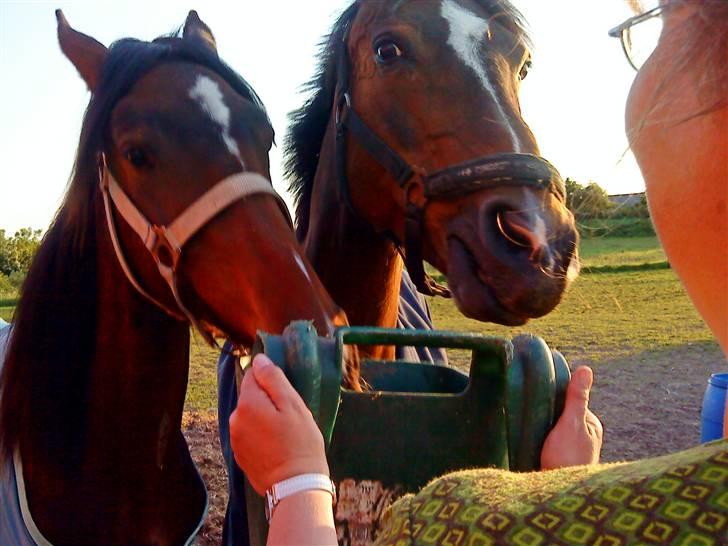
pixel 649 404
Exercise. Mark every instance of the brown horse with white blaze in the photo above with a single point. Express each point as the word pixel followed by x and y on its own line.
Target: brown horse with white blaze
pixel 413 143
pixel 169 219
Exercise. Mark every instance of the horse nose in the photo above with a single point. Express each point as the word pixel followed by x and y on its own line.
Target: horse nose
pixel 522 232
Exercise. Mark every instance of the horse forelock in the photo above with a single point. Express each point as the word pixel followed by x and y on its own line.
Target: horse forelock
pixel 308 124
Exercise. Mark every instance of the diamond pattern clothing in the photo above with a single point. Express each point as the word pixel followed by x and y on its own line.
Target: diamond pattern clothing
pixel 680 499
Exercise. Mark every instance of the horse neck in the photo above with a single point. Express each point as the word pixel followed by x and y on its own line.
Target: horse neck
pixel 360 268
pixel 140 364
pixel 135 396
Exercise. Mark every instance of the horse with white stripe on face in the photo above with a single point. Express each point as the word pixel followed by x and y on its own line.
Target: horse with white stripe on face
pixel 170 220
pixel 413 144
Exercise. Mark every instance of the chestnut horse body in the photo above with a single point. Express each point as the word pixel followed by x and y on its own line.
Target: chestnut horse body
pixel 95 376
pixel 433 85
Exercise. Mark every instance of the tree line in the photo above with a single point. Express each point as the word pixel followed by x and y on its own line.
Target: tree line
pixel 591 201
pixel 16 254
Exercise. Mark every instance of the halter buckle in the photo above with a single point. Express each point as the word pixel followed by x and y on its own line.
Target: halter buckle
pixel 165 249
pixel 341 113
pixel 415 193
pixel 101 165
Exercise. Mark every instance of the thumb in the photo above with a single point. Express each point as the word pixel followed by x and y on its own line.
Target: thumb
pixel 577 392
pixel 273 381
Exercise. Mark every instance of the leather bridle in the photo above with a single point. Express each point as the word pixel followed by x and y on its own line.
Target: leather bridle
pixel 165 243
pixel 420 187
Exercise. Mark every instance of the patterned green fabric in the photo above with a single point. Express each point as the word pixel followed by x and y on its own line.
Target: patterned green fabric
pixel 679 499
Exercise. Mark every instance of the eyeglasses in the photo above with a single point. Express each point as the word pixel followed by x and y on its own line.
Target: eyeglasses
pixel 639 35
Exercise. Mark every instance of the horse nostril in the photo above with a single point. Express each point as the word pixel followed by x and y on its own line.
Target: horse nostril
pixel 513 232
pixel 524 232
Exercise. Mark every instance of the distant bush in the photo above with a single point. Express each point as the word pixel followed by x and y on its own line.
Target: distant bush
pixel 18 250
pixel 590 201
pixel 7 290
pixel 17 278
pixel 616 227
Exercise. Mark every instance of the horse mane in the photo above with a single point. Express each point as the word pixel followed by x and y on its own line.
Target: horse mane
pixel 308 124
pixel 44 380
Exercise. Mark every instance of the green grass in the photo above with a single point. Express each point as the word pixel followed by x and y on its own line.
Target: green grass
pixel 7 306
pixel 202 383
pixel 602 252
pixel 616 227
pixel 604 316
pixel 622 311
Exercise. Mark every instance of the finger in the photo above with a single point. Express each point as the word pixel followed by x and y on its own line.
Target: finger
pixel 577 392
pixel 273 381
pixel 252 397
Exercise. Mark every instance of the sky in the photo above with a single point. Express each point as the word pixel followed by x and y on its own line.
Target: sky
pixel 573 98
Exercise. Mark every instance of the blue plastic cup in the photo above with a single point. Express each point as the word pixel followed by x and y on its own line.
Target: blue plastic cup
pixel 714 408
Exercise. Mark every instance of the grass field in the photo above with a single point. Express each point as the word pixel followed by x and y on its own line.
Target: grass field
pixel 613 312
pixel 620 251
pixel 626 301
pixel 7 305
pixel 605 316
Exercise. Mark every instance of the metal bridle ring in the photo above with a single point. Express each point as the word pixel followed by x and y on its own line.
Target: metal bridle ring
pixel 503 232
pixel 344 101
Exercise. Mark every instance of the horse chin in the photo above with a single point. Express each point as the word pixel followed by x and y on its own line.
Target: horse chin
pixel 219 329
pixel 472 292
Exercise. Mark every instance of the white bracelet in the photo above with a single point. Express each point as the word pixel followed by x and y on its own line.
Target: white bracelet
pixel 297 484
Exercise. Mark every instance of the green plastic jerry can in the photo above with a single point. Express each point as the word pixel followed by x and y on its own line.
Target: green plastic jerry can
pixel 416 421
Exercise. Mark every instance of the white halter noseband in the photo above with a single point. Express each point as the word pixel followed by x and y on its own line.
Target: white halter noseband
pixel 165 242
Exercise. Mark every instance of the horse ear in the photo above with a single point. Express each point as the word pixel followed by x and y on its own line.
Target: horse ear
pixel 195 29
pixel 86 54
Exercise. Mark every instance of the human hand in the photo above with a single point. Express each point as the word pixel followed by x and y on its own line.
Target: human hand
pixel 273 434
pixel 578 434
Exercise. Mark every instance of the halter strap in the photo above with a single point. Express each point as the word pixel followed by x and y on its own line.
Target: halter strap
pixel 165 242
pixel 348 119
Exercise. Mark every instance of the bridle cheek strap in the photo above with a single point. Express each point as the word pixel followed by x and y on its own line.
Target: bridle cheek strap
pixel 347 120
pixel 165 242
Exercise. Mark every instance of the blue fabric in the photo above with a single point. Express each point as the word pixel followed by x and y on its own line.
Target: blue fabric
pixel 414 313
pixel 235 526
pixel 12 526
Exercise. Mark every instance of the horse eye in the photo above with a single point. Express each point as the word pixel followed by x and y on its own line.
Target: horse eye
pixel 524 70
pixel 387 52
pixel 137 157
